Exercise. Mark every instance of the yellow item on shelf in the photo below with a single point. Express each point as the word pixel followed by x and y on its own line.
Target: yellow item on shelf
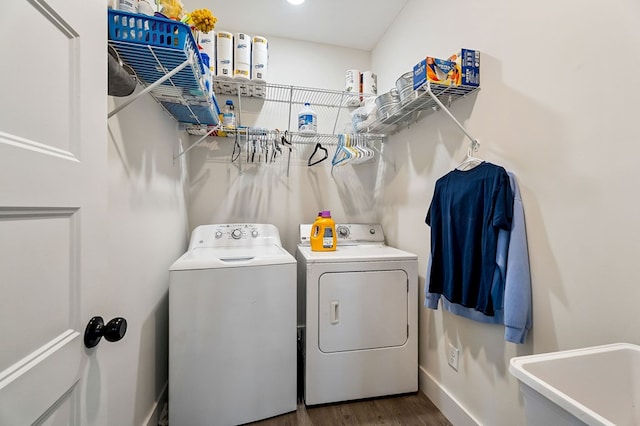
pixel 323 233
pixel 172 9
pixel 203 20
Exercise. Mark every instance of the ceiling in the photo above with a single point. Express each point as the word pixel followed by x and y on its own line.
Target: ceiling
pixel 357 24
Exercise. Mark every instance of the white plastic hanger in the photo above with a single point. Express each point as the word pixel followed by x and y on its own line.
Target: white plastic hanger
pixel 470 161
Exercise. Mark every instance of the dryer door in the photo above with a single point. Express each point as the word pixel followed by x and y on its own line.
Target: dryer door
pixel 362 310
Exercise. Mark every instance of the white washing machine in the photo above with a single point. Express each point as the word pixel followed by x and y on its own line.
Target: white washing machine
pixel 358 309
pixel 232 327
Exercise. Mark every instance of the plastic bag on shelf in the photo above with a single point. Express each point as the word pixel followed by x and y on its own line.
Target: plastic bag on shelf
pixel 362 118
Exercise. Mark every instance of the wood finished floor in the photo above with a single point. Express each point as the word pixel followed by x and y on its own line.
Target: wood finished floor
pixel 415 409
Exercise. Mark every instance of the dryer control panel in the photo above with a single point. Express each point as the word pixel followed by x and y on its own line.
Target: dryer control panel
pixel 349 233
pixel 234 235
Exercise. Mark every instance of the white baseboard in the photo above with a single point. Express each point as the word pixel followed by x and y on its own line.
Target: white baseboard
pixel 445 402
pixel 154 416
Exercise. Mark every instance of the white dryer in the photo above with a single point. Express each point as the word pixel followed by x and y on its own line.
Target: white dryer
pixel 358 309
pixel 232 327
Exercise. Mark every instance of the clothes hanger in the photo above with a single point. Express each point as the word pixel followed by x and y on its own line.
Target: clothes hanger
pixel 276 148
pixel 470 161
pixel 342 154
pixel 285 142
pixel 237 149
pixel 318 147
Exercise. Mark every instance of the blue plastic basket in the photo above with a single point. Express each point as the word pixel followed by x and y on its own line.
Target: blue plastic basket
pixel 152 46
pixel 154 31
pixel 144 29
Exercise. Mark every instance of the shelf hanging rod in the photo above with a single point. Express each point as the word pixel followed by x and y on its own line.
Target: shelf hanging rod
pixel 150 87
pixel 474 142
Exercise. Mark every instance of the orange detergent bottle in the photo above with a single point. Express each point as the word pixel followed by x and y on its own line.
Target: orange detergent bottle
pixel 323 233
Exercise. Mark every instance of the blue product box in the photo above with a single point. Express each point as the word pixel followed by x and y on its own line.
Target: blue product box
pixel 439 71
pixel 468 67
pixel 460 69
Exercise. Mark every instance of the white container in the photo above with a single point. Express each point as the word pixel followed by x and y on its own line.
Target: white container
pixel 229 115
pixel 145 8
pixel 242 57
pixel 307 121
pixel 128 6
pixel 208 43
pixel 259 59
pixel 224 51
pixel 369 83
pixel 599 385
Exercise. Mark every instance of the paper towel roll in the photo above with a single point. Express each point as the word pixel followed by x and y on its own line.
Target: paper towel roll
pixel 369 83
pixel 208 44
pixel 224 49
pixel 352 81
pixel 128 6
pixel 352 84
pixel 242 57
pixel 259 59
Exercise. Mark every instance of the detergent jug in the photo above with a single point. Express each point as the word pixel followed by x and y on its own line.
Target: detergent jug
pixel 323 233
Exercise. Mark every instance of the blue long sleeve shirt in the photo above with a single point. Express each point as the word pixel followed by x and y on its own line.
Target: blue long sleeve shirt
pixel 511 287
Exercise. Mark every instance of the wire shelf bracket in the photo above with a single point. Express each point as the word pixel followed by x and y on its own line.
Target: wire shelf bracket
pixel 150 87
pixel 474 142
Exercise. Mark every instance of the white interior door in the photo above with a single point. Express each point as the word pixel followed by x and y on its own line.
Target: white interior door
pixel 52 204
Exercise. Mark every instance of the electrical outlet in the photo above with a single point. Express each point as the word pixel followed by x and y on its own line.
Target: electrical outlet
pixel 452 357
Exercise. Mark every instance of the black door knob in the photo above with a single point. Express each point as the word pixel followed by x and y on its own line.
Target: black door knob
pixel 113 331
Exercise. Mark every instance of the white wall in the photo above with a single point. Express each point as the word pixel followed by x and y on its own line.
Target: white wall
pixel 223 192
pixel 147 231
pixel 558 107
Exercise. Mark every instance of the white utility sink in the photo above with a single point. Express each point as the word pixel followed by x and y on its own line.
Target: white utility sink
pixel 599 385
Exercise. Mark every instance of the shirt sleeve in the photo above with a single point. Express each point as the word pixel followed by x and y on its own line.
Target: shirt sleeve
pixel 503 203
pixel 517 289
pixel 430 299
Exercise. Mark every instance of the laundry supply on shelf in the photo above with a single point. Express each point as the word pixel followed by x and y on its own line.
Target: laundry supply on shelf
pixel 323 233
pixel 307 121
pixel 229 115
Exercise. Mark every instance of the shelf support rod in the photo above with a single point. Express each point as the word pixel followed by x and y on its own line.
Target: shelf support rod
pixel 149 88
pixel 196 143
pixel 474 142
pixel 335 123
pixel 239 111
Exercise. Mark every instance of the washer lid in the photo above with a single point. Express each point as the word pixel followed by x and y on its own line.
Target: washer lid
pixel 232 257
pixel 357 253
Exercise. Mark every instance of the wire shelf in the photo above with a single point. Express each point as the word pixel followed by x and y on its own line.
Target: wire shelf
pixel 416 106
pixel 289 94
pixel 419 104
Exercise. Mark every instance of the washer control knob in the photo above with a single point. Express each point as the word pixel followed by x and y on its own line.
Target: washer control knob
pixel 218 234
pixel 343 231
pixel 236 234
pixel 254 233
